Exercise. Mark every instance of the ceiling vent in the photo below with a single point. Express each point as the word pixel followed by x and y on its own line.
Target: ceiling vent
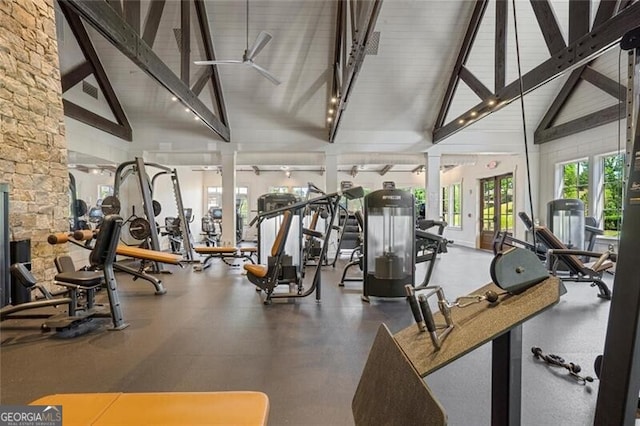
pixel 372 44
pixel 90 89
pixel 177 33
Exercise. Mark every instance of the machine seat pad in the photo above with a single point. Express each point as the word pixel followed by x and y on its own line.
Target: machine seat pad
pixel 249 249
pixel 145 254
pixel 164 408
pixel 216 250
pixel 81 278
pixel 607 264
pixel 259 271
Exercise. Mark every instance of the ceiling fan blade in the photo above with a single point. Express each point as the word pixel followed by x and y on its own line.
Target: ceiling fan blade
pixel 261 41
pixel 216 62
pixel 265 73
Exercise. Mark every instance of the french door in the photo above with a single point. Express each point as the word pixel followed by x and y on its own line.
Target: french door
pixel 496 207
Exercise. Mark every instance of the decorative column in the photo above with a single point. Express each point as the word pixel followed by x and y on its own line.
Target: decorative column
pixel 432 185
pixel 228 199
pixel 331 173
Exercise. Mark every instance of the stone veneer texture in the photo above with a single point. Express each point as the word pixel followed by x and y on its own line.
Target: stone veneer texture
pixel 33 150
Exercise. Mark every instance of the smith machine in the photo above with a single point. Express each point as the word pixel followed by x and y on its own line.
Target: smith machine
pixel 145 227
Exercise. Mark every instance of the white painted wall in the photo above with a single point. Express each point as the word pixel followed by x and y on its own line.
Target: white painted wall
pixel 469 176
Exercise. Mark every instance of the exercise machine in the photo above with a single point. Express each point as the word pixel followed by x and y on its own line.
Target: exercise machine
pixel 268 226
pixel 151 208
pixel 389 243
pixel 101 259
pixel 266 277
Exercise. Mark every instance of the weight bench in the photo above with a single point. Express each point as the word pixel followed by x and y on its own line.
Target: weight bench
pixel 224 253
pixel 165 408
pixel 557 251
pixel 122 250
pixel 146 255
pixel 578 271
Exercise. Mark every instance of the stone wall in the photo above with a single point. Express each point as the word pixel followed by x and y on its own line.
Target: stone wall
pixel 33 153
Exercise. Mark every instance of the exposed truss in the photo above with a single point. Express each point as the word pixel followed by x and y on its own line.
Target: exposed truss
pixel 121 26
pixel 356 20
pixel 547 131
pixel 92 65
pixel 612 20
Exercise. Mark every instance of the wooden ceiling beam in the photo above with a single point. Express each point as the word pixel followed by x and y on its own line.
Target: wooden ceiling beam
pixel 154 13
pixel 576 54
pixel 108 23
pixel 122 128
pixel 470 35
pixel 364 18
pixel 548 25
pixel 210 55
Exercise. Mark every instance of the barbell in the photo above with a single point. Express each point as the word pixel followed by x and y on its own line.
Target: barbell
pixel 111 205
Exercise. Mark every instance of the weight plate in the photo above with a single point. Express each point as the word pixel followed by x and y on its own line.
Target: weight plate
pixel 110 205
pixel 157 208
pixel 517 269
pixel 139 228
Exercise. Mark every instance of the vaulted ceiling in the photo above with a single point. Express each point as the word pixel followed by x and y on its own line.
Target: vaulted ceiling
pixel 393 105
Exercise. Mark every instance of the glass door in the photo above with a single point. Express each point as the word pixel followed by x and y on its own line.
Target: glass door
pixel 496 208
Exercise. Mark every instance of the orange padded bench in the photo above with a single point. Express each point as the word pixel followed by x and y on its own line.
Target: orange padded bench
pixel 152 255
pixel 224 253
pixel 170 408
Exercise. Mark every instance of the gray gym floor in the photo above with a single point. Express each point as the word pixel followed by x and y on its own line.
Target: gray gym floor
pixel 211 332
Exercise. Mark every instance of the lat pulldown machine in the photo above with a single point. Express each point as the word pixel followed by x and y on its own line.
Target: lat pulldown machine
pixel 266 277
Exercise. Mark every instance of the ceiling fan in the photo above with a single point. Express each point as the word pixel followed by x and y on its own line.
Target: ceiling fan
pixel 249 54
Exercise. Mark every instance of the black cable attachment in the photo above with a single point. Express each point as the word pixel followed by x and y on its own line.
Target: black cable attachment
pixel 558 361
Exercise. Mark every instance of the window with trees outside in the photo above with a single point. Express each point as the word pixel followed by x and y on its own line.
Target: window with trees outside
pixel 300 191
pixel 278 189
pixel 444 207
pixel 575 182
pixel 214 199
pixel 242 202
pixel 613 167
pixel 452 205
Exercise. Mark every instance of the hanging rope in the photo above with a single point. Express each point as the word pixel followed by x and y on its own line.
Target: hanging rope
pixel 247 28
pixel 524 122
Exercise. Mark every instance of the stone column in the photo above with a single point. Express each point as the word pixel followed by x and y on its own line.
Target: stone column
pixel 33 158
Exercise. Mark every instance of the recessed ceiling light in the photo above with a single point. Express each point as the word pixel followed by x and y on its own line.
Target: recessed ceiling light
pixel 330 110
pixel 173 98
pixel 329 119
pixel 334 100
pixel 473 113
pixel 491 102
pixel 195 117
pixel 187 110
pixel 461 121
